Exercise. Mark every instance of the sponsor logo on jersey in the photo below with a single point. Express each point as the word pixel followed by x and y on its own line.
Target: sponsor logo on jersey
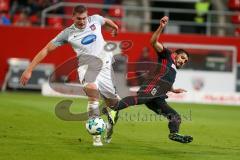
pixel 93 27
pixel 89 39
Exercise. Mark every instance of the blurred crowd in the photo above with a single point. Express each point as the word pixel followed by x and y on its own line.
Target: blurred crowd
pixel 23 12
pixel 28 12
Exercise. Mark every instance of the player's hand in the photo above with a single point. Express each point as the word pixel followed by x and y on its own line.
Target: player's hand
pixel 164 21
pixel 179 90
pixel 25 77
pixel 114 32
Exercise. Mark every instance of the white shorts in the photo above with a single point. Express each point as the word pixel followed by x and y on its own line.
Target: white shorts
pixel 103 78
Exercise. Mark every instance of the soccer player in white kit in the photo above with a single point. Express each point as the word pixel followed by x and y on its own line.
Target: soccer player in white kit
pixel 94 70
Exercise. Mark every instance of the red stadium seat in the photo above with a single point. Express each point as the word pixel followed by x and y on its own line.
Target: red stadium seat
pixel 34 19
pixel 116 11
pixel 237 32
pixel 236 18
pixel 55 22
pixel 234 4
pixel 4 5
pixel 15 18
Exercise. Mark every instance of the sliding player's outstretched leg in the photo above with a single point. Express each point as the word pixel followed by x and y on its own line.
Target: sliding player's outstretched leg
pixel 160 106
pixel 130 101
pixel 173 125
pixel 124 103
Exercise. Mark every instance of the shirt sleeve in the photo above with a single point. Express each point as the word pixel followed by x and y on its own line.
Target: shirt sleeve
pixel 99 19
pixel 60 39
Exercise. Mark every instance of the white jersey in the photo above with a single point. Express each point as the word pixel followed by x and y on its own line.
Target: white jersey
pixel 87 41
pixel 94 61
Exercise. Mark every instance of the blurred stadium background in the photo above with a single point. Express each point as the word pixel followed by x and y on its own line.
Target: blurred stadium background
pixel 208 29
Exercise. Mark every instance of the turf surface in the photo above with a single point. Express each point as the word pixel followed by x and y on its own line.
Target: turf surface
pixel 30 130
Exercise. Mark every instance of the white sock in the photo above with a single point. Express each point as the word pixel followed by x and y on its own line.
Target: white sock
pixel 93 109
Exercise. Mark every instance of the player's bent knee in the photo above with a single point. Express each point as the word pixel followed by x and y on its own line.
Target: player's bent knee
pixel 91 91
pixel 90 86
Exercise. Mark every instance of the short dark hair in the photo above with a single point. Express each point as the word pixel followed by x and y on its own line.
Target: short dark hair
pixel 182 51
pixel 79 9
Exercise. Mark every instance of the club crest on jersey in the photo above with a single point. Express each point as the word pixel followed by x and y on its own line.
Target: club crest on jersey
pixel 93 27
pixel 89 39
pixel 154 91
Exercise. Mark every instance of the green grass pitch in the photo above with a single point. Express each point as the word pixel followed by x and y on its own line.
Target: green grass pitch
pixel 30 130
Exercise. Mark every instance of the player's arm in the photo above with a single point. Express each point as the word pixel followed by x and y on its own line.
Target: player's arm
pixel 154 39
pixel 109 23
pixel 36 60
pixel 178 90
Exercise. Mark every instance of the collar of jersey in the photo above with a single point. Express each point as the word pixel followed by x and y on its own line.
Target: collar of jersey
pixel 78 28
